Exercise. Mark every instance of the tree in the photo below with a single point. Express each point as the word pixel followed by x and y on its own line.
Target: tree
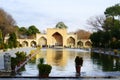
pixel 96 39
pixel 61 25
pixel 1 40
pixel 28 32
pixel 105 39
pixel 15 61
pixel 12 41
pixel 108 24
pixel 100 23
pixel 96 23
pixel 115 31
pixel 113 11
pixel 82 34
pixel 22 32
pixel 108 28
pixel 7 23
pixel 32 30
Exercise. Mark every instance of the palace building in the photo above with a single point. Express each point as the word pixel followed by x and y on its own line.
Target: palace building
pixel 56 37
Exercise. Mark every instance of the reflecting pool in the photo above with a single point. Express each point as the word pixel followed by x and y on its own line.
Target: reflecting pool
pixel 62 61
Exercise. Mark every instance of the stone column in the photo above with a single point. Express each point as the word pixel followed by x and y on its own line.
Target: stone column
pixel 7 62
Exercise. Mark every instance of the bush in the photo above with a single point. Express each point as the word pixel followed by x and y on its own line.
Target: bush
pixel 115 45
pixel 20 57
pixel 5 46
pixel 41 60
pixel 44 68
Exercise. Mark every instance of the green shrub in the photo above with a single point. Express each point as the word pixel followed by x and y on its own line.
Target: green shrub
pixel 41 60
pixel 44 68
pixel 20 57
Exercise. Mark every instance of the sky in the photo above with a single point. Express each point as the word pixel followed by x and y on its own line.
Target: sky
pixel 47 13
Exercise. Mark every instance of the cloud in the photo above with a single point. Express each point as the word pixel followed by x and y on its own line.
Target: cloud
pixel 47 13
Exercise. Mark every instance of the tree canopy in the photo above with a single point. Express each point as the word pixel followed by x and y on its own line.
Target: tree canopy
pixel 1 40
pixel 82 34
pixel 22 30
pixel 107 29
pixel 96 22
pixel 7 23
pixel 61 25
pixel 32 30
pixel 29 32
pixel 113 11
pixel 12 41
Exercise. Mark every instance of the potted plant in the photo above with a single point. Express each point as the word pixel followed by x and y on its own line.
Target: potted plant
pixel 44 69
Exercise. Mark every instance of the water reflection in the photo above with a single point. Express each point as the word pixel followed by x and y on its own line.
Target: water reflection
pixel 57 58
pixel 62 61
pixel 108 63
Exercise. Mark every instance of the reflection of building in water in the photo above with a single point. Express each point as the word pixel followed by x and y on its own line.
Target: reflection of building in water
pixel 59 57
pixel 56 57
pixel 39 55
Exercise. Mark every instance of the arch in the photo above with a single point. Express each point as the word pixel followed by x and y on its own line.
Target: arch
pixel 87 43
pixel 71 42
pixel 42 41
pixel 33 44
pixel 24 44
pixel 57 39
pixel 80 44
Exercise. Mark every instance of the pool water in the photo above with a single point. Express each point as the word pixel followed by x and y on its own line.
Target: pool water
pixel 62 61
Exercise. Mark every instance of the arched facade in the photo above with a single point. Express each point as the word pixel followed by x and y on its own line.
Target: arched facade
pixel 80 44
pixel 70 42
pixel 55 37
pixel 84 43
pixel 24 44
pixel 33 44
pixel 87 43
pixel 58 37
pixel 42 41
